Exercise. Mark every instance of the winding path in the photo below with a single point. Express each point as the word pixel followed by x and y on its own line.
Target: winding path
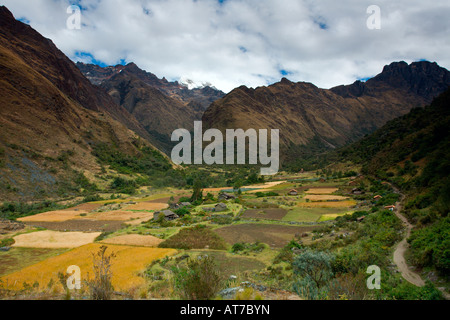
pixel 399 253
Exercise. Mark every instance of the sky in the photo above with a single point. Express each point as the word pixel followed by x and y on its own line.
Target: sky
pixel 229 43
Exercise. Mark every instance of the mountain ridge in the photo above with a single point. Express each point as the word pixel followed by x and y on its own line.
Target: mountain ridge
pixel 48 135
pixel 312 118
pixel 158 105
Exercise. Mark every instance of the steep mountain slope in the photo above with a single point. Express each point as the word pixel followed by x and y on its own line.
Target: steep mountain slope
pixel 159 105
pixel 312 120
pixel 413 153
pixel 51 119
pixel 42 55
pixel 199 98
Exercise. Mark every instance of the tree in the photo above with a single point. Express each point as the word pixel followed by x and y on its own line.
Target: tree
pixel 197 194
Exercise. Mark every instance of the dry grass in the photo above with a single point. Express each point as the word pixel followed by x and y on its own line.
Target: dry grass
pixel 54 239
pixel 265 185
pixel 134 240
pixel 54 216
pixel 148 206
pixel 321 190
pixel 127 264
pixel 119 216
pixel 324 197
pixel 337 204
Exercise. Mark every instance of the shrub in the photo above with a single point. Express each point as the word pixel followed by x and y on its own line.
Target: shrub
pixel 182 212
pixel 124 186
pixel 200 280
pixel 431 245
pixel 6 242
pixel 313 270
pixel 287 254
pixel 101 287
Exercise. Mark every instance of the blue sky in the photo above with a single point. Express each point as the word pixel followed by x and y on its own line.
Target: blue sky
pixel 246 42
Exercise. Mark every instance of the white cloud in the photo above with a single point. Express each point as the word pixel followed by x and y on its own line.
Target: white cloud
pixel 247 42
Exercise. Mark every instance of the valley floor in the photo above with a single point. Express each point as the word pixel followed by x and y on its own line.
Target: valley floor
pixel 263 219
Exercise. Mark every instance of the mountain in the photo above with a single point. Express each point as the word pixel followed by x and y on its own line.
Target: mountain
pixel 53 120
pixel 312 120
pixel 412 152
pixel 160 106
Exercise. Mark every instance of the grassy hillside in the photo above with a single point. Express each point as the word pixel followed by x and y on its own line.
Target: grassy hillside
pixel 412 152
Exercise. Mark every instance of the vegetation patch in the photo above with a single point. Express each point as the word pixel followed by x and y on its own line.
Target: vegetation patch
pixel 266 213
pixel 276 236
pixel 197 237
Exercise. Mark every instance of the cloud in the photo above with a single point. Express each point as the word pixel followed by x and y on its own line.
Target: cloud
pixel 251 42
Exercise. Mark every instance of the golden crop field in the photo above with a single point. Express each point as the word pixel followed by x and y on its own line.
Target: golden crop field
pixel 129 261
pixel 134 240
pixel 332 216
pixel 324 197
pixel 326 204
pixel 54 216
pixel 148 206
pixel 321 190
pixel 54 239
pixel 119 215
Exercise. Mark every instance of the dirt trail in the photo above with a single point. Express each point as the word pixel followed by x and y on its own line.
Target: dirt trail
pixel 399 253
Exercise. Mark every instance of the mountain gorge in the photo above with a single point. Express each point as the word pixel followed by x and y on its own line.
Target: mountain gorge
pixel 160 106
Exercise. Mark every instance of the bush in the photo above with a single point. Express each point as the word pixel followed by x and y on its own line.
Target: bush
pixel 101 287
pixel 314 271
pixel 286 254
pixel 431 245
pixel 200 280
pixel 250 247
pixel 6 242
pixel 182 212
pixel 124 186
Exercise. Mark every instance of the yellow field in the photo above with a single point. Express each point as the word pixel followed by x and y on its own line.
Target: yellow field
pixel 148 206
pixel 331 216
pixel 54 216
pixel 134 240
pixel 338 204
pixel 324 197
pixel 321 190
pixel 129 261
pixel 119 215
pixel 54 239
pixel 149 198
pixel 138 221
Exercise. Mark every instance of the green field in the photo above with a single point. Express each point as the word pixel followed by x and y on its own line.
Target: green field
pixel 18 258
pixel 299 214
